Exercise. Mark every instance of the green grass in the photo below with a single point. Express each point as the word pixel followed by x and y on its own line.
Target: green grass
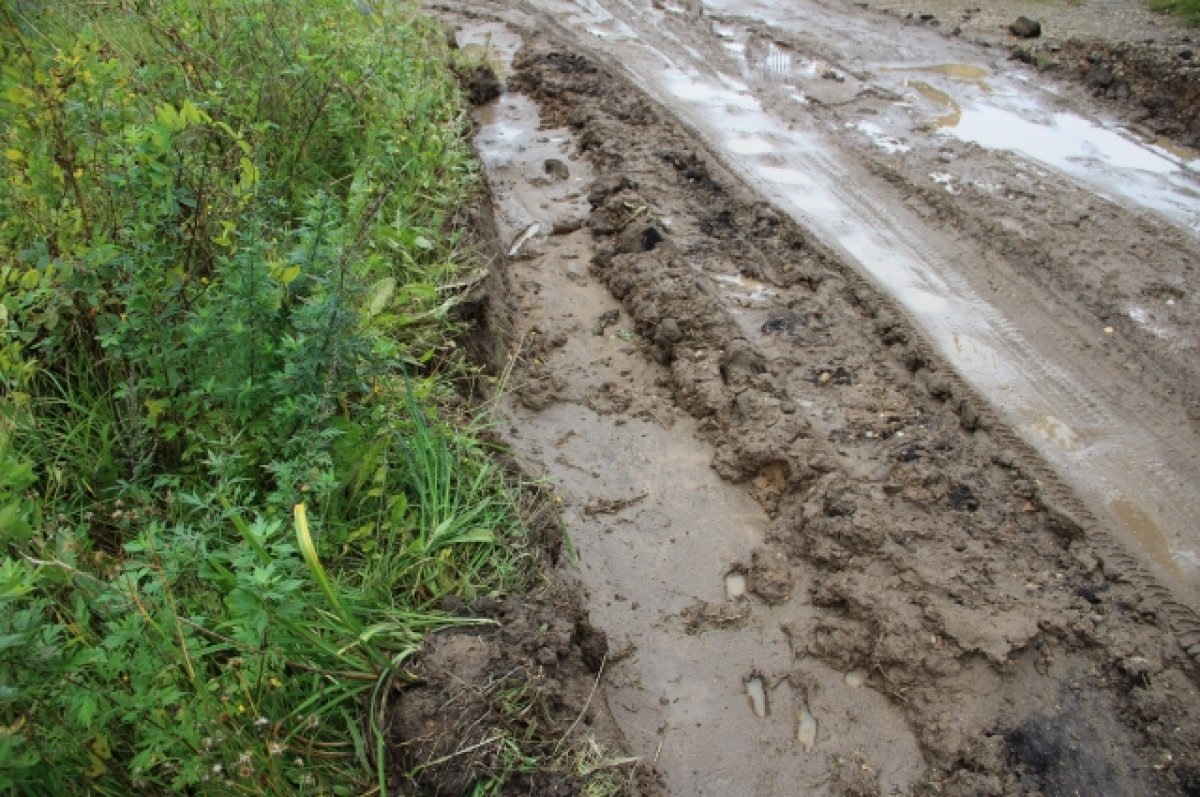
pixel 1187 9
pixel 228 504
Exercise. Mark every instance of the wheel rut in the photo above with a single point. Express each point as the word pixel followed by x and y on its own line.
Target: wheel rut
pixel 824 564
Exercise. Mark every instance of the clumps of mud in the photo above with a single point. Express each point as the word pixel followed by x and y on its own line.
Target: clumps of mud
pixel 528 676
pixel 1159 84
pixel 947 569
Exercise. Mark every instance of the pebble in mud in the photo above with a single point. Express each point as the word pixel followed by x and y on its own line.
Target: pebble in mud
pixel 1025 28
pixel 557 169
pixel 855 679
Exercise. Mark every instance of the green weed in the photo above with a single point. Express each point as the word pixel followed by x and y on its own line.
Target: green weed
pixel 227 294
pixel 1187 9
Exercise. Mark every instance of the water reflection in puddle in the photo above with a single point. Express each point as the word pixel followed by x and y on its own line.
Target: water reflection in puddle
pixel 750 146
pixel 967 72
pixel 888 144
pixel 783 175
pixel 735 584
pixel 1057 432
pixel 756 691
pixel 1150 537
pixel 940 98
pixel 806 730
pixel 1061 140
pixel 746 289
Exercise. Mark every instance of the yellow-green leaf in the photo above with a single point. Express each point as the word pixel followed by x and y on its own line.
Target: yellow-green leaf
pixel 190 114
pixel 289 275
pixel 30 279
pixel 168 117
pixel 14 155
pixel 381 293
pixel 249 175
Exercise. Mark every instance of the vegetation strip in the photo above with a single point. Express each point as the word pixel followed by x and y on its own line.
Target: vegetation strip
pixel 229 509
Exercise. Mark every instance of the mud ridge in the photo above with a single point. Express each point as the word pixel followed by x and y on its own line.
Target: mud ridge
pixel 606 151
pixel 948 553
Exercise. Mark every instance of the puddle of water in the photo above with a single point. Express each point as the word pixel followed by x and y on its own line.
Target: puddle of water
pixel 1186 154
pixel 888 144
pixel 1144 319
pixel 938 97
pixel 783 175
pixel 748 290
pixel 694 90
pixel 735 584
pixel 1063 140
pixel 945 180
pixel 924 301
pixel 855 679
pixel 1055 431
pixel 756 691
pixel 968 72
pixel 751 146
pixel 1150 537
pixel 806 730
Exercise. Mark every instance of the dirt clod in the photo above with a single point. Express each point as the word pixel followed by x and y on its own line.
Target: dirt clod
pixel 1025 28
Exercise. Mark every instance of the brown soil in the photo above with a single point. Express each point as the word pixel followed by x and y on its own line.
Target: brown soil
pixel 942 568
pixel 527 674
pixel 909 539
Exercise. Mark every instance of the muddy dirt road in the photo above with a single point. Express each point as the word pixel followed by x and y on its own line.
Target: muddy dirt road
pixel 866 365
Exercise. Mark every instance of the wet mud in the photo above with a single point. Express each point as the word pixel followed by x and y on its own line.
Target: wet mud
pixel 823 561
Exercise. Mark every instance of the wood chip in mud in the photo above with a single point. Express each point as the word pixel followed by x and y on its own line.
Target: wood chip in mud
pixel 611 506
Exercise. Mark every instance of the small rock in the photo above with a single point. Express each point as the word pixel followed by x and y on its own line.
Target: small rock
pixel 1025 28
pixel 670 331
pixel 1099 77
pixel 605 187
pixel 557 169
pixel 1186 55
pixel 567 225
pixel 1022 55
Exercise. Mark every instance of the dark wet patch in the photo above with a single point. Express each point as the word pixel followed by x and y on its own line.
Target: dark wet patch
pixel 963 499
pixel 1065 754
pixel 480 83
pixel 784 323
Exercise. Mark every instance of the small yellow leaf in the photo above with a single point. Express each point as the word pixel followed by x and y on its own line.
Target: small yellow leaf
pixel 30 279
pixel 289 275
pixel 14 155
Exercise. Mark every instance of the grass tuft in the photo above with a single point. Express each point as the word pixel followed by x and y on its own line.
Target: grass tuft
pixel 1187 9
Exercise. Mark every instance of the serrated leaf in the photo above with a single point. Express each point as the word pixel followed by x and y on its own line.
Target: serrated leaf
pixel 13 525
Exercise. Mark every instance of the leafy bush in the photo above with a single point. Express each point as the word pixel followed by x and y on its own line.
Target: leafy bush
pixel 226 288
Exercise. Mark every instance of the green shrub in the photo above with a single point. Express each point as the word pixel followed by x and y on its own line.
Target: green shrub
pixel 226 288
